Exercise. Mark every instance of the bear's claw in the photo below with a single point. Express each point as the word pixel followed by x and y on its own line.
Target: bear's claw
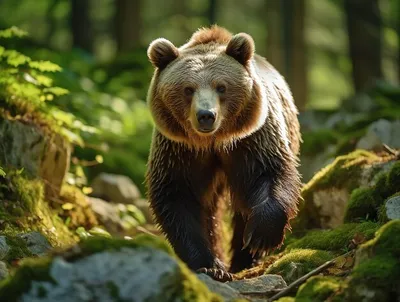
pixel 216 273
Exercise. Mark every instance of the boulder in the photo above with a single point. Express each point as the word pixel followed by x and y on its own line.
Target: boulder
pixel 326 195
pixel 115 188
pixel 392 207
pixel 36 243
pixel 379 133
pixel 39 153
pixel 3 270
pixel 106 269
pixel 4 248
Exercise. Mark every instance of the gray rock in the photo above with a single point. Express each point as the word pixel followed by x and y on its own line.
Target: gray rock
pixel 3 270
pixel 4 248
pixel 26 146
pixel 107 213
pixel 115 188
pixel 140 274
pixel 259 284
pixel 223 289
pixel 392 207
pixel 379 133
pixel 36 243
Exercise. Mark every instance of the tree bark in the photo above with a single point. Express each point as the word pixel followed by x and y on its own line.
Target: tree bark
pixel 286 45
pixel 364 26
pixel 82 34
pixel 212 11
pixel 128 24
pixel 275 50
pixel 298 58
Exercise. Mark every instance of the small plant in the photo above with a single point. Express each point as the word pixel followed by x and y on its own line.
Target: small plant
pixel 26 91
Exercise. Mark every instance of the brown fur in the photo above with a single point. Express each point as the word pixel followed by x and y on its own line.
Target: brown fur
pixel 252 155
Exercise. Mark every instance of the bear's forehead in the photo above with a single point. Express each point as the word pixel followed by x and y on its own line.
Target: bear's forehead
pixel 208 64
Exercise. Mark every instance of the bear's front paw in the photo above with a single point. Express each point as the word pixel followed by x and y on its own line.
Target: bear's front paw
pixel 265 227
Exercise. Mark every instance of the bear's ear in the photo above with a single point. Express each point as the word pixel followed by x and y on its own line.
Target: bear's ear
pixel 161 52
pixel 241 47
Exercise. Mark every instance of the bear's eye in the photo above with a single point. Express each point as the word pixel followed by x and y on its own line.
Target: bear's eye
pixel 221 88
pixel 189 91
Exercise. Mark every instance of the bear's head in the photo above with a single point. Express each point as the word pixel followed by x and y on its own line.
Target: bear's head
pixel 206 92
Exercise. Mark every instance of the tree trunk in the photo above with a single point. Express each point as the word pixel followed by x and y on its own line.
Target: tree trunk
pixel 128 24
pixel 297 50
pixel 82 34
pixel 212 11
pixel 364 26
pixel 286 45
pixel 275 51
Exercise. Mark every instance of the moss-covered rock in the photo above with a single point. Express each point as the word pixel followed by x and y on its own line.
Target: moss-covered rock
pixel 297 263
pixel 23 208
pixel 337 239
pixel 107 269
pixel 326 195
pixel 366 203
pixel 377 271
pixel 318 289
pixel 41 154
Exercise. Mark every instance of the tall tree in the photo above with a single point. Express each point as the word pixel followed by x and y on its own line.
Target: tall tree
pixel 82 33
pixel 128 24
pixel 364 26
pixel 286 45
pixel 275 52
pixel 212 11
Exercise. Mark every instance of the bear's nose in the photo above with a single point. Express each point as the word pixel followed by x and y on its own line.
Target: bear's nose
pixel 206 119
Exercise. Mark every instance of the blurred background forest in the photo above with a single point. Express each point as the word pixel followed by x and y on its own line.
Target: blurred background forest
pixel 340 57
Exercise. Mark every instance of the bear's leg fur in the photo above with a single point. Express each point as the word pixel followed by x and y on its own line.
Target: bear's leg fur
pixel 176 187
pixel 265 189
pixel 241 258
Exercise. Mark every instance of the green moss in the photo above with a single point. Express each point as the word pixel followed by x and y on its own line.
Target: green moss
pixel 387 240
pixel 344 171
pixel 362 205
pixel 24 208
pixel 318 289
pixel 31 269
pixel 379 275
pixel 377 268
pixel 97 244
pixel 393 179
pixel 297 263
pixel 286 299
pixel 18 249
pixel 336 239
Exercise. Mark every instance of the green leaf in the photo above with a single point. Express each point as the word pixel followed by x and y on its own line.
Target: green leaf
pixel 15 58
pixel 44 66
pixel 57 91
pixel 2 173
pixel 12 32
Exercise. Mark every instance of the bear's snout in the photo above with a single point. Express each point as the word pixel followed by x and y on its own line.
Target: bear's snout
pixel 206 119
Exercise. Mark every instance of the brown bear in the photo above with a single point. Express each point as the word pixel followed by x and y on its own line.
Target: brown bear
pixel 225 126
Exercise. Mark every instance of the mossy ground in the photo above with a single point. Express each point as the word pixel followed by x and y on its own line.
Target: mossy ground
pixel 318 289
pixel 299 262
pixel 336 239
